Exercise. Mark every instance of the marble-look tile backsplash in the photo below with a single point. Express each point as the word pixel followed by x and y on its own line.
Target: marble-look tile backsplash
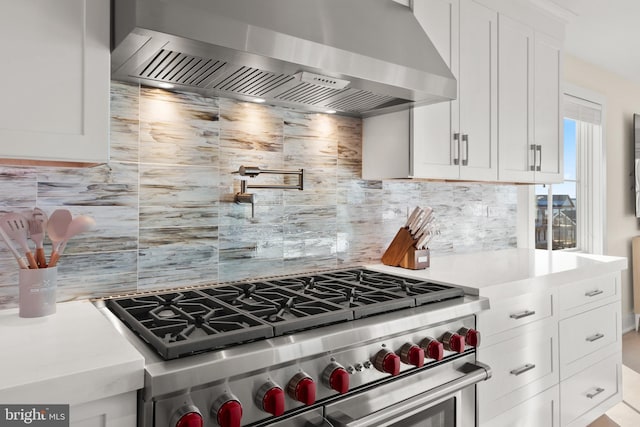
pixel 164 204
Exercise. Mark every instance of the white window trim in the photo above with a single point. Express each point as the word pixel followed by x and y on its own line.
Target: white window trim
pixel 526 194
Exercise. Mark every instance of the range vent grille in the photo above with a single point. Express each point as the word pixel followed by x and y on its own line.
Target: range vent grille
pixel 178 68
pixel 360 100
pixel 307 93
pixel 252 82
pixel 224 78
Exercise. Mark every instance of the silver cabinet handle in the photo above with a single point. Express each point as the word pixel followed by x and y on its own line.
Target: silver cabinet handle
pixel 522 369
pixel 595 337
pixel 522 314
pixel 456 149
pixel 595 393
pixel 532 168
pixel 465 139
pixel 594 293
pixel 539 150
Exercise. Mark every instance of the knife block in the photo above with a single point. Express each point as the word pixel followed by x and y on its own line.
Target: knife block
pixel 403 253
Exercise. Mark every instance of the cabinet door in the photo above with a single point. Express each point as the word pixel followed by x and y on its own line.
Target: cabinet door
pixel 547 101
pixel 55 80
pixel 478 92
pixel 515 101
pixel 435 153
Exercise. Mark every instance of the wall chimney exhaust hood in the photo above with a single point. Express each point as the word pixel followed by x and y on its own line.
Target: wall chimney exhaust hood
pixel 356 57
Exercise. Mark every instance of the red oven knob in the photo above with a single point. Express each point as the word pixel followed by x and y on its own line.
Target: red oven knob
pixel 302 388
pixel 453 342
pixel 387 361
pixel 336 378
pixel 433 348
pixel 188 416
pixel 471 336
pixel 227 410
pixel 270 398
pixel 411 354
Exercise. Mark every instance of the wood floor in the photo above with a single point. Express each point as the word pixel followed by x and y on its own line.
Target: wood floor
pixel 627 412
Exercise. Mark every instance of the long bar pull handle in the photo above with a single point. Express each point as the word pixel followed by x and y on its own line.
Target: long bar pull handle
pixel 532 168
pixel 465 139
pixel 522 369
pixel 595 337
pixel 473 373
pixel 539 150
pixel 525 313
pixel 595 393
pixel 456 149
pixel 594 293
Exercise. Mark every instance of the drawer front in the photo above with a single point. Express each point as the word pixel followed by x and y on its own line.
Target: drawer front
pixel 513 312
pixel 518 362
pixel 589 332
pixel 588 389
pixel 588 291
pixel 540 410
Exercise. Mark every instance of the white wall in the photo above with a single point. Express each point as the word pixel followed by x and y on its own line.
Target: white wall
pixel 622 100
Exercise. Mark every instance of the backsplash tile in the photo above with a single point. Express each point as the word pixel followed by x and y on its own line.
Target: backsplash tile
pixel 164 204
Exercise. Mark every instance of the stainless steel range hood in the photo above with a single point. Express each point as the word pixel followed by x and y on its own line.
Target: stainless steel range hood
pixel 356 57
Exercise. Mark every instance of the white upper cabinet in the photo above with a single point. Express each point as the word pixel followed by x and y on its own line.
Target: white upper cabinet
pixel 477 98
pixel 547 96
pixel 505 124
pixel 55 80
pixel 530 130
pixel 458 139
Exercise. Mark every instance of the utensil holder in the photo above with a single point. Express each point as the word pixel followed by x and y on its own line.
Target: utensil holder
pixel 415 259
pixel 37 292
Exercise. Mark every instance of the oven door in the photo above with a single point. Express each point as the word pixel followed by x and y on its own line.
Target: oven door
pixel 443 396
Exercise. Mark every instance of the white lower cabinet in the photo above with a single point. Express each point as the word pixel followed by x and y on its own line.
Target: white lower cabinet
pixel 583 393
pixel 555 355
pixel 114 411
pixel 541 410
pixel 520 343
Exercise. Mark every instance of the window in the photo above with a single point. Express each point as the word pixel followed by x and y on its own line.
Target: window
pixel 570 215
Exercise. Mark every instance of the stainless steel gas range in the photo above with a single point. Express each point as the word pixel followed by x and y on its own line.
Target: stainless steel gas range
pixel 342 348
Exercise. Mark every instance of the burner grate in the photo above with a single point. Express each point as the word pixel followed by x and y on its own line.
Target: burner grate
pixel 180 323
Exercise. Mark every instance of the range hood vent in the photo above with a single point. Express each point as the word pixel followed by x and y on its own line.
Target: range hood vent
pixel 295 53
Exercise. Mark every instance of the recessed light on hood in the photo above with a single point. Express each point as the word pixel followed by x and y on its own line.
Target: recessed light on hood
pixel 303 54
pixel 164 85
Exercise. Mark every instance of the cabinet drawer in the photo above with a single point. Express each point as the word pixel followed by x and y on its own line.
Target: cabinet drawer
pixel 587 291
pixel 510 313
pixel 518 362
pixel 588 388
pixel 589 332
pixel 540 410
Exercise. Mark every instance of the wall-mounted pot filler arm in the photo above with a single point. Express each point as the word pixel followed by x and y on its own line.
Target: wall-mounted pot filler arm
pixel 252 172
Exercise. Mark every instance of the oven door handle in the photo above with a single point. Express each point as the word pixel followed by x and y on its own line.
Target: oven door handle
pixel 474 373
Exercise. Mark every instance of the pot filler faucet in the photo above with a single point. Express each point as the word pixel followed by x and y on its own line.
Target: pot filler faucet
pixel 252 172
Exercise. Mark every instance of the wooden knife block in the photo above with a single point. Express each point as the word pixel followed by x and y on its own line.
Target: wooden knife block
pixel 402 252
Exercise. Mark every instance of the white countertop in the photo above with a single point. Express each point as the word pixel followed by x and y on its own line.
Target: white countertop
pixel 510 272
pixel 71 357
